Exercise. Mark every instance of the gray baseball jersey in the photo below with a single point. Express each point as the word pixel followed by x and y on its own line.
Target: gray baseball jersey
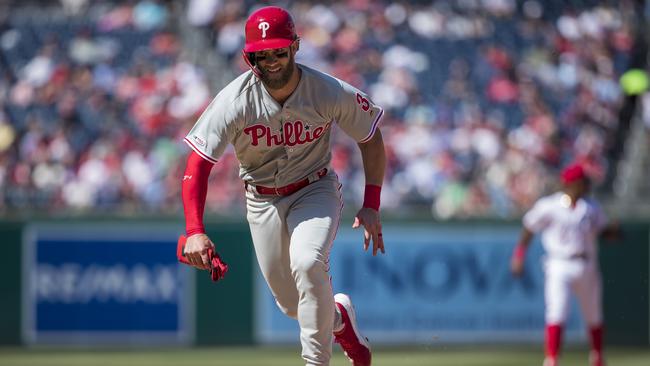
pixel 280 144
pixel 277 145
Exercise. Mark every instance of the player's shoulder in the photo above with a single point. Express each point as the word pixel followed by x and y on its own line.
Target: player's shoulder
pixel 592 202
pixel 549 200
pixel 317 76
pixel 325 81
pixel 234 92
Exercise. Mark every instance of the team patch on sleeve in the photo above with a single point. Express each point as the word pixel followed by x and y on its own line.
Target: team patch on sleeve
pixel 197 145
pixel 199 141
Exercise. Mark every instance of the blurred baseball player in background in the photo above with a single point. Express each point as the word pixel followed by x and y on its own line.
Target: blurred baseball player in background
pixel 570 224
pixel 278 117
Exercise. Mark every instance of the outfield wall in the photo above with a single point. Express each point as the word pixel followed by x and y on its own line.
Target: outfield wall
pixel 117 282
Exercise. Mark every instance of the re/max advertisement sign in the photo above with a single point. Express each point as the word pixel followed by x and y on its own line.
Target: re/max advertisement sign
pixel 105 284
pixel 433 285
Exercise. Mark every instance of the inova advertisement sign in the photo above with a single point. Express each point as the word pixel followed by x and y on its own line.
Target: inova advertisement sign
pixel 442 284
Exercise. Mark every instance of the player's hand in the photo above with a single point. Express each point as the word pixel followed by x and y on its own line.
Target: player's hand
pixel 612 232
pixel 371 222
pixel 196 250
pixel 517 266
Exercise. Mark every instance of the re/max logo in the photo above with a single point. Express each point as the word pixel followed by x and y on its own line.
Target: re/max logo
pixel 74 283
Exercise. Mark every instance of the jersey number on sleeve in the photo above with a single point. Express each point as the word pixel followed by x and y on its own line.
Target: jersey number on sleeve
pixel 363 102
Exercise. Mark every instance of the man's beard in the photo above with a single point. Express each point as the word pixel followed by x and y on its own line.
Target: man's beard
pixel 278 81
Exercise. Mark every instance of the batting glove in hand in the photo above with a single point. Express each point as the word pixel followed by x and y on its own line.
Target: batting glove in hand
pixel 218 268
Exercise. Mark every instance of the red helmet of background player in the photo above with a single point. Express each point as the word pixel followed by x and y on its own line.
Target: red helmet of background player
pixel 267 28
pixel 572 173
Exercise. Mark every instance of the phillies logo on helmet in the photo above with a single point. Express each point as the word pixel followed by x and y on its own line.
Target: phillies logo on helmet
pixel 276 26
pixel 264 26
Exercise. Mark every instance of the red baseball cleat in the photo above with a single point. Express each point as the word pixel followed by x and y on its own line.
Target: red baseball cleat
pixel 354 345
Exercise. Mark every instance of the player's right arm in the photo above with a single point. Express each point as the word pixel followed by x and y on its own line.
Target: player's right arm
pixel 208 138
pixel 519 253
pixel 194 191
pixel 535 220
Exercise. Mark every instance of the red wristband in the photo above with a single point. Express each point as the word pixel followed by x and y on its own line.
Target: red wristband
pixel 371 196
pixel 519 252
pixel 197 230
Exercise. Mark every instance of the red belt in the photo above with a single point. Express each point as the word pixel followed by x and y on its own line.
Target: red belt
pixel 289 188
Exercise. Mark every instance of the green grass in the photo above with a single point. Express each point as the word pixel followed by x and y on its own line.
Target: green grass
pixel 244 356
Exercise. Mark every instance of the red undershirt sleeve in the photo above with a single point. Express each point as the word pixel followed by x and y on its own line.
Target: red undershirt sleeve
pixel 195 190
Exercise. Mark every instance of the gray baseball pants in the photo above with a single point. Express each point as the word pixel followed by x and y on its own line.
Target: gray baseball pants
pixel 292 236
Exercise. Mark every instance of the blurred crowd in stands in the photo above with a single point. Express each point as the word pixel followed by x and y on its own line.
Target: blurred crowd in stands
pixel 485 99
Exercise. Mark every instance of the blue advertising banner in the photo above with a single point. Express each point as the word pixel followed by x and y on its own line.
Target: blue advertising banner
pixel 105 284
pixel 434 284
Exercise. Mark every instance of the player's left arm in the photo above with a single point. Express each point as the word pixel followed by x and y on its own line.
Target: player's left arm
pixel 374 166
pixel 607 229
pixel 611 232
pixel 359 117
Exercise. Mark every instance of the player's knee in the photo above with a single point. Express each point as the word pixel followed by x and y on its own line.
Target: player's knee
pixel 554 318
pixel 290 310
pixel 308 268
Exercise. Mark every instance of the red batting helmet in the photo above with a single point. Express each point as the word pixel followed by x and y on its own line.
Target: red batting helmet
pixel 268 28
pixel 572 173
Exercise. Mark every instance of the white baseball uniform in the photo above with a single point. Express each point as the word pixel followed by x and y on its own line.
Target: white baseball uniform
pixel 569 238
pixel 277 146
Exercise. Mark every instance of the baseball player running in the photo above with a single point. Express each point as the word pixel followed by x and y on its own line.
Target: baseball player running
pixel 570 224
pixel 278 117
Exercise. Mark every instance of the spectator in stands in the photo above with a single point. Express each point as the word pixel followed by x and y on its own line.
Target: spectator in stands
pixel 484 99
